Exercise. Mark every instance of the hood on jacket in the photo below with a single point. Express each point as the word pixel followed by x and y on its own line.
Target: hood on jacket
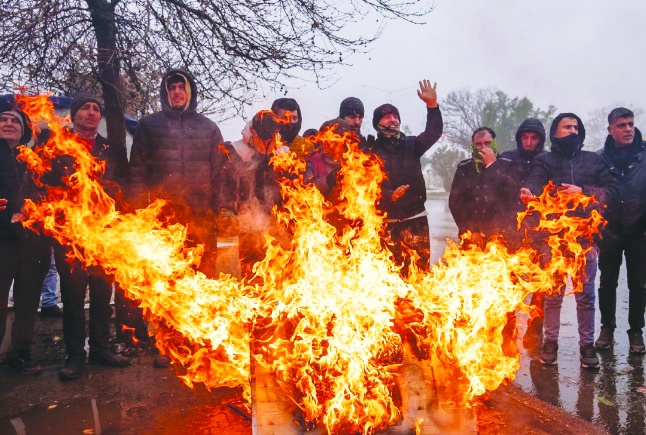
pixel 191 89
pixel 555 124
pixel 535 125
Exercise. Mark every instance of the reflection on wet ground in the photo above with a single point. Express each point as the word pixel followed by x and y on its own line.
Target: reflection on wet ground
pixel 613 397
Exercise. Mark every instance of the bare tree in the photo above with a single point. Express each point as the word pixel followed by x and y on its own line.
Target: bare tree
pixel 465 110
pixel 234 48
pixel 443 159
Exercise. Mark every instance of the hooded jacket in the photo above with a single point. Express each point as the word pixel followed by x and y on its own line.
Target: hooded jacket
pixel 173 153
pixel 580 168
pixel 402 166
pixel 628 214
pixel 520 160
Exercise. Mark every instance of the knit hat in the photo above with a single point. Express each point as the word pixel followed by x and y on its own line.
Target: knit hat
pixel 80 99
pixel 351 106
pixel 25 124
pixel 17 116
pixel 381 111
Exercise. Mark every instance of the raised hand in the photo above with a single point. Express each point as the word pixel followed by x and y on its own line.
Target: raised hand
pixel 428 93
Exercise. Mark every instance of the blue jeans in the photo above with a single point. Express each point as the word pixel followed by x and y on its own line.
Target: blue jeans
pixel 48 292
pixel 584 306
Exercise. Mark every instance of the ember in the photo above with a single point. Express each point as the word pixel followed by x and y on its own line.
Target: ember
pixel 329 313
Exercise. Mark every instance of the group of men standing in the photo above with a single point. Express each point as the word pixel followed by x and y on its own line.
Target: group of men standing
pixel 213 187
pixel 490 188
pixel 218 187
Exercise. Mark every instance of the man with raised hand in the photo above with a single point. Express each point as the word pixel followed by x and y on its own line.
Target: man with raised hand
pixel 403 191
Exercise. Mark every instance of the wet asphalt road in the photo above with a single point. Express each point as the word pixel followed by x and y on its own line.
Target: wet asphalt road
pixel 613 397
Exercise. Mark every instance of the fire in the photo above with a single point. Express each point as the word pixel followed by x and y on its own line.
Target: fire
pixel 329 313
pixel 134 339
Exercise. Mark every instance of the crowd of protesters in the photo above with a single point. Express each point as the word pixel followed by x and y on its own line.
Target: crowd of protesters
pixel 228 188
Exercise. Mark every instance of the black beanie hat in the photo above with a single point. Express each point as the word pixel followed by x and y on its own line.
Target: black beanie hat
pixel 80 99
pixel 383 110
pixel 351 106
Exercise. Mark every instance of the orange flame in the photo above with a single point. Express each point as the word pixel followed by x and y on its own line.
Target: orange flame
pixel 134 339
pixel 330 312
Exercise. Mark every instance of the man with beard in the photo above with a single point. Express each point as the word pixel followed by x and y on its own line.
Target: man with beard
pixel 481 201
pixel 288 114
pixel 352 112
pixel 573 171
pixel 403 191
pixel 173 157
pixel 624 153
pixel 86 112
pixel 530 142
pixel 481 193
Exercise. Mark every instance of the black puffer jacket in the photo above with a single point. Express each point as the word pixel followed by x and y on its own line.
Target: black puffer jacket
pixel 173 153
pixel 628 215
pixel 402 166
pixel 482 202
pixel 581 168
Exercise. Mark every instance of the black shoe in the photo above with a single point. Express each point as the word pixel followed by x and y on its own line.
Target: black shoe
pixel 636 341
pixel 589 358
pixel 109 358
pixel 53 311
pixel 606 338
pixel 24 364
pixel 549 352
pixel 73 369
pixel 162 361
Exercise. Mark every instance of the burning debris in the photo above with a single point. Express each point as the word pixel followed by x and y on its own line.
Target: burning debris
pixel 328 312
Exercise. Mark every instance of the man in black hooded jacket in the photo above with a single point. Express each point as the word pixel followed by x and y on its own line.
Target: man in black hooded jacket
pixel 624 153
pixel 173 157
pixel 530 142
pixel 573 171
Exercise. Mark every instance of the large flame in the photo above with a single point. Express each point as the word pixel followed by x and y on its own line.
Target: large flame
pixel 329 313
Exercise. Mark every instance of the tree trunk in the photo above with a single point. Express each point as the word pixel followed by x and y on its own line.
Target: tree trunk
pixel 109 69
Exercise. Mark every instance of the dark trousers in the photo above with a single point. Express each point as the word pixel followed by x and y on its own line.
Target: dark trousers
pixel 9 262
pixel 411 235
pixel 74 282
pixel 610 259
pixel 24 262
pixel 128 314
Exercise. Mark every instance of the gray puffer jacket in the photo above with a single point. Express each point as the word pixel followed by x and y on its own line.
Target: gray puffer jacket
pixel 173 153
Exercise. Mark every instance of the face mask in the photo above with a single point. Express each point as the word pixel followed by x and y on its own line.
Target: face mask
pixel 389 132
pixel 567 145
pixel 288 132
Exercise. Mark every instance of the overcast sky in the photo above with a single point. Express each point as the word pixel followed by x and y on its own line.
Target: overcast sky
pixel 579 55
